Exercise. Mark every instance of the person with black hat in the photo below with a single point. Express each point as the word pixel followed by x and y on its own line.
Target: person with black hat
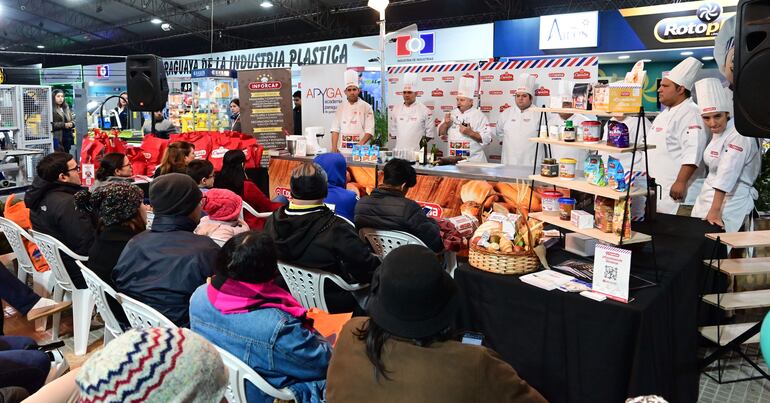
pixel 163 267
pixel 404 350
pixel 388 208
pixel 309 234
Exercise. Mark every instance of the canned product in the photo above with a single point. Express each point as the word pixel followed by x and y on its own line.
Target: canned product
pixel 591 131
pixel 567 168
pixel 550 202
pixel 566 205
pixel 549 168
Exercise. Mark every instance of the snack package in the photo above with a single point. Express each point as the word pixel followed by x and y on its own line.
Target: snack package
pixel 617 218
pixel 615 175
pixel 364 152
pixel 637 73
pixel 356 153
pixel 617 134
pixel 374 152
pixel 594 170
pixel 604 209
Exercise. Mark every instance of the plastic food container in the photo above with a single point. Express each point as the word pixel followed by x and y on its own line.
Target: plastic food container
pixel 591 131
pixel 549 168
pixel 566 205
pixel 567 168
pixel 550 202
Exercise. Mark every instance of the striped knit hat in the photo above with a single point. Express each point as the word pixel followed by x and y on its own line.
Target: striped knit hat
pixel 154 365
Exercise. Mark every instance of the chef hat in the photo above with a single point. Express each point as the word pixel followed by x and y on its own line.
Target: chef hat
pixel 410 82
pixel 724 42
pixel 467 87
pixel 526 84
pixel 712 96
pixel 684 73
pixel 351 78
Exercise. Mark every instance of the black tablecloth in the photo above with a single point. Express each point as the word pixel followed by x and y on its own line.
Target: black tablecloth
pixel 573 349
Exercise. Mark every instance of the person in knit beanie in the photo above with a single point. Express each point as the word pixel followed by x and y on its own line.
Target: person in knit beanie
pixel 224 218
pixel 154 365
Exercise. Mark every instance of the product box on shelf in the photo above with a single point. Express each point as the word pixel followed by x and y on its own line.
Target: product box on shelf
pixel 625 97
pixel 601 97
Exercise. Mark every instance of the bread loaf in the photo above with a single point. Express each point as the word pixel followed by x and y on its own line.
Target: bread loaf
pixel 475 191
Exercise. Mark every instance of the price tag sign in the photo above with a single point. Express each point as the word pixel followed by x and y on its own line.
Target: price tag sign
pixel 612 271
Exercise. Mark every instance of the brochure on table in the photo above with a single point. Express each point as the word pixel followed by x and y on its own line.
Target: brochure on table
pixel 612 271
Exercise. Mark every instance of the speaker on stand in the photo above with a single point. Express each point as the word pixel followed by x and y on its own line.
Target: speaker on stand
pixel 146 83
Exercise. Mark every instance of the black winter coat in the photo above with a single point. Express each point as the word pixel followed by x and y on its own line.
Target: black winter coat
pixel 163 267
pixel 103 257
pixel 388 210
pixel 52 211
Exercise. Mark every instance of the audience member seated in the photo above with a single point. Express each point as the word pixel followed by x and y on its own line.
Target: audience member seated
pixel 21 364
pixel 336 168
pixel 175 159
pixel 24 300
pixel 51 203
pixel 153 365
pixel 388 208
pixel 121 214
pixel 163 267
pixel 233 178
pixel 308 234
pixel 223 220
pixel 114 167
pixel 404 351
pixel 202 172
pixel 275 337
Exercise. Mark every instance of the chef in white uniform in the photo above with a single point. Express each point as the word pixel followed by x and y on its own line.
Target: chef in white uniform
pixel 411 120
pixel 354 119
pixel 733 162
pixel 466 127
pixel 680 138
pixel 559 152
pixel 518 123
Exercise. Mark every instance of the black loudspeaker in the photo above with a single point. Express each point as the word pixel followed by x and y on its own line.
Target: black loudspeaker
pixel 146 83
pixel 752 68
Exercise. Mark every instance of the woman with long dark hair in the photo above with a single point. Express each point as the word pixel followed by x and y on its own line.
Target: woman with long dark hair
pixel 178 154
pixel 235 114
pixel 404 351
pixel 63 122
pixel 233 178
pixel 119 114
pixel 114 167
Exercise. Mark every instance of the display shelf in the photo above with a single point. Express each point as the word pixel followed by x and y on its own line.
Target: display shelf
pixel 742 266
pixel 590 146
pixel 597 113
pixel 636 237
pixel 739 300
pixel 750 239
pixel 581 185
pixel 728 333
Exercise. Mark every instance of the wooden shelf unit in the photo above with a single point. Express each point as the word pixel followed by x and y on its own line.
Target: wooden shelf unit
pixel 593 112
pixel 581 185
pixel 636 237
pixel 742 266
pixel 728 332
pixel 751 239
pixel 739 300
pixel 601 146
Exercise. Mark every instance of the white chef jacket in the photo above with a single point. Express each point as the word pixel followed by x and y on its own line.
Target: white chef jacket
pixel 462 145
pixel 559 152
pixel 408 124
pixel 680 137
pixel 733 163
pixel 352 122
pixel 515 127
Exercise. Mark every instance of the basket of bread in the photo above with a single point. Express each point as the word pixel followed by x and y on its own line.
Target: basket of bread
pixel 506 243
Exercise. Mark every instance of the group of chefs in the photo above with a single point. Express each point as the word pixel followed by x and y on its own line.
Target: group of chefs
pixel 700 161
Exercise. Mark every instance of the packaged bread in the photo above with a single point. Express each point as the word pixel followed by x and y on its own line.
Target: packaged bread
pixel 470 208
pixel 476 191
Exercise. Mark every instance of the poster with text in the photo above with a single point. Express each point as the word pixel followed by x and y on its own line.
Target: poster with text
pixel 323 90
pixel 266 106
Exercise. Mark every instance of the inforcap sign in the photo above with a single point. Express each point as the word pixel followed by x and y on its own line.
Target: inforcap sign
pixel 569 31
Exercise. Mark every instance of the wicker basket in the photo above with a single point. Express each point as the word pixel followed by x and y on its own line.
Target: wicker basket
pixel 504 262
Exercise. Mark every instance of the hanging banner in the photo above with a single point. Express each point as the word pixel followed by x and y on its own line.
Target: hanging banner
pixel 497 85
pixel 436 88
pixel 266 109
pixel 323 90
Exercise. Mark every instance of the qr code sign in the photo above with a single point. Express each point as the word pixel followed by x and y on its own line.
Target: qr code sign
pixel 611 273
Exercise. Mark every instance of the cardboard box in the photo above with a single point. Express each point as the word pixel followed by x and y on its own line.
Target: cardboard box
pixel 625 98
pixel 601 101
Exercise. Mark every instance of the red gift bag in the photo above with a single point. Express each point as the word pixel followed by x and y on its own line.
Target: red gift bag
pixel 252 150
pixel 153 149
pixel 138 160
pixel 200 140
pixel 222 143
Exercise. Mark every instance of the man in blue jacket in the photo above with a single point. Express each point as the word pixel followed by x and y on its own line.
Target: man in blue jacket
pixel 162 267
pixel 336 169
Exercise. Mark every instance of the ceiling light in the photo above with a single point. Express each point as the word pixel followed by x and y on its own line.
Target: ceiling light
pixel 156 21
pixel 40 47
pixel 624 57
pixel 266 4
pixel 686 53
pixel 380 6
pixel 90 83
pixel 707 58
pixel 165 26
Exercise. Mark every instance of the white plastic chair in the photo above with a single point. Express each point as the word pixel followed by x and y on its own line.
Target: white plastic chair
pixel 307 285
pixel 254 212
pixel 100 290
pixel 141 315
pixel 42 283
pixel 82 300
pixel 239 373
pixel 384 241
